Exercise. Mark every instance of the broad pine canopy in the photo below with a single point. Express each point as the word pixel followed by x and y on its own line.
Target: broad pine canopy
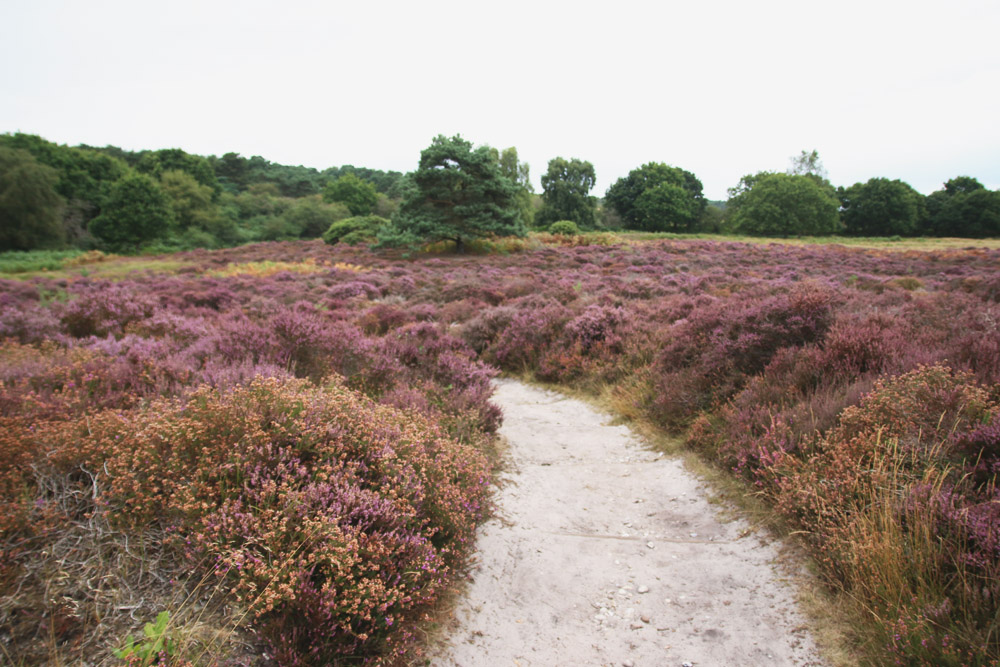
pixel 457 193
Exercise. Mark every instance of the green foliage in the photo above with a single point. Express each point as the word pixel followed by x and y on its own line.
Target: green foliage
pixel 231 171
pixel 19 261
pixel 770 204
pixel 156 163
pixel 567 185
pixel 608 218
pixel 385 182
pixel 191 201
pixel 520 173
pixel 201 222
pixel 881 207
pixel 963 208
pixel 136 212
pixel 30 208
pixel 260 199
pixel 665 202
pixel 456 194
pixel 83 176
pixel 82 172
pixel 237 174
pixel 807 163
pixel 564 228
pixel 351 231
pixel 676 207
pixel 309 217
pixel 385 207
pixel 156 640
pixel 962 185
pixel 359 196
pixel 713 219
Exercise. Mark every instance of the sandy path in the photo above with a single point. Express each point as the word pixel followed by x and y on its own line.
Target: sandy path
pixel 605 553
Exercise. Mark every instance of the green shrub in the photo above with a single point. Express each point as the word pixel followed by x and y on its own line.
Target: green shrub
pixel 564 228
pixel 351 231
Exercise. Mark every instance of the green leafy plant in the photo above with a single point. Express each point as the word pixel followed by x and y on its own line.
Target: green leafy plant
pixel 564 228
pixel 156 640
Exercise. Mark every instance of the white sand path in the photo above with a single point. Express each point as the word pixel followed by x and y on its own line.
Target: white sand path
pixel 604 552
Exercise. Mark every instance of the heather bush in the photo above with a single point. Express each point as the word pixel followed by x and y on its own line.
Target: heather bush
pixel 596 324
pixel 383 317
pixel 100 309
pixel 708 357
pixel 29 323
pixel 535 325
pixel 482 330
pixel 872 343
pixel 920 408
pixel 51 382
pixel 335 519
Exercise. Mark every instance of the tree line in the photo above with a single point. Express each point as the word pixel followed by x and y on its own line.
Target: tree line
pixel 56 196
pixel 459 192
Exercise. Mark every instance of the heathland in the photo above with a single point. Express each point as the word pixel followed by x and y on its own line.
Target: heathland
pixel 287 446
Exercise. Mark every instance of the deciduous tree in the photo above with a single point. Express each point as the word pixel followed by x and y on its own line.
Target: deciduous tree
pixel 30 207
pixel 520 173
pixel 964 208
pixel 770 204
pixel 358 195
pixel 309 217
pixel 676 208
pixel 881 207
pixel 156 163
pixel 83 174
pixel 807 163
pixel 567 185
pixel 136 211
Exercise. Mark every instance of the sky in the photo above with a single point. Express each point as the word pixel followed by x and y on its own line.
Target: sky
pixel 721 88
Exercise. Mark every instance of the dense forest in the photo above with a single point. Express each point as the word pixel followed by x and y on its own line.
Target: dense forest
pixel 56 196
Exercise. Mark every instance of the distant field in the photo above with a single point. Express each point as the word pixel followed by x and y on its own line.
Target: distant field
pixel 901 243
pixel 62 264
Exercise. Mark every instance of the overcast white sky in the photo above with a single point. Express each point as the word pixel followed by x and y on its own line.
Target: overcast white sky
pixel 722 88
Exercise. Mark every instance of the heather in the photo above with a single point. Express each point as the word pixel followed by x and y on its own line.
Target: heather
pixel 307 425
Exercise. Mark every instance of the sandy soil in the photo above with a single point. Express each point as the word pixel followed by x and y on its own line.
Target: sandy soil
pixel 606 553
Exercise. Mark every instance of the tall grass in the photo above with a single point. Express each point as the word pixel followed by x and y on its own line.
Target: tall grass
pixel 19 261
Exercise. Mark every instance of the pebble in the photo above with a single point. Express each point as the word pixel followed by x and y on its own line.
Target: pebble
pixel 636 626
pixel 628 663
pixel 649 544
pixel 644 619
pixel 643 589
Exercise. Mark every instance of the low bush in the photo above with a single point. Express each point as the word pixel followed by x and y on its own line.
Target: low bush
pixel 351 231
pixel 564 228
pixel 332 518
